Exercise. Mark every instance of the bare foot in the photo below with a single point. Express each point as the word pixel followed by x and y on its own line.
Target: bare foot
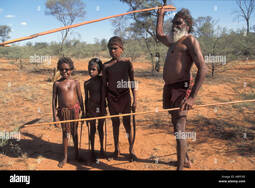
pixel 102 154
pixel 187 164
pixel 93 156
pixel 132 157
pixel 62 163
pixel 116 154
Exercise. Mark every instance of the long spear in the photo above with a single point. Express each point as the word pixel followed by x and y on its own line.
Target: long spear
pixel 140 113
pixel 167 7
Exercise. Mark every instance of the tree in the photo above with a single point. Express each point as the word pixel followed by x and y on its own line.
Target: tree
pixel 212 38
pixel 142 25
pixel 246 9
pixel 65 11
pixel 4 32
pixel 103 44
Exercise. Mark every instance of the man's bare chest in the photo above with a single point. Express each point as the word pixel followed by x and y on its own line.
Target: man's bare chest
pixel 177 48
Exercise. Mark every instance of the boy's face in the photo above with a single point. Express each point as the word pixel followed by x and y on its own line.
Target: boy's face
pixel 115 51
pixel 65 70
pixel 93 70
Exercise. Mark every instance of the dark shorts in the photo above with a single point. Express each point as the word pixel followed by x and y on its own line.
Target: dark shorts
pixel 119 104
pixel 94 110
pixel 173 94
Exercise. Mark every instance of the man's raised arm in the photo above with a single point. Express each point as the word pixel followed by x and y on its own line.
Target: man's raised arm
pixel 159 29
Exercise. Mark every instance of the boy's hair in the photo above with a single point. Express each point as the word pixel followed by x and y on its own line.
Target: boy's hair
pixel 66 60
pixel 185 14
pixel 98 62
pixel 115 41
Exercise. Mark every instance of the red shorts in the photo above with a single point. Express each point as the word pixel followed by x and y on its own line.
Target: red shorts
pixel 68 114
pixel 173 94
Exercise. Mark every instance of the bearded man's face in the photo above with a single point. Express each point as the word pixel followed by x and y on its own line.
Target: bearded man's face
pixel 179 29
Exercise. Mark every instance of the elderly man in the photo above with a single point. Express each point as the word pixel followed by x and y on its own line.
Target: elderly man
pixel 179 91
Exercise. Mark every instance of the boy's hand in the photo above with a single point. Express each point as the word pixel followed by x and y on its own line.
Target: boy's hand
pixel 54 120
pixel 103 110
pixel 133 107
pixel 83 116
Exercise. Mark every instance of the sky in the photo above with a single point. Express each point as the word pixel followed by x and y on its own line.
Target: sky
pixel 27 17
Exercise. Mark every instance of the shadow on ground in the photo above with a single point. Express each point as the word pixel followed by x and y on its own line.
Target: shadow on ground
pixel 240 139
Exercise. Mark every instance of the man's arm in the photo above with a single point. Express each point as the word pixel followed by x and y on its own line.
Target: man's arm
pixel 161 36
pixel 197 57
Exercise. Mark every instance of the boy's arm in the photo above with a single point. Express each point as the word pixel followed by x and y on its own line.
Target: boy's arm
pixel 103 92
pixel 133 86
pixel 86 97
pixel 161 36
pixel 54 102
pixel 78 90
pixel 197 57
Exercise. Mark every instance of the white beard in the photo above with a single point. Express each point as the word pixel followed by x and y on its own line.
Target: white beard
pixel 178 34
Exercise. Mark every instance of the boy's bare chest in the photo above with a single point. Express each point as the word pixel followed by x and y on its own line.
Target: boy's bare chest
pixel 94 86
pixel 66 87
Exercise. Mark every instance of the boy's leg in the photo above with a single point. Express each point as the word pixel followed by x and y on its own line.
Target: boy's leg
pixel 116 125
pixel 74 132
pixel 65 145
pixel 101 134
pixel 92 125
pixel 127 125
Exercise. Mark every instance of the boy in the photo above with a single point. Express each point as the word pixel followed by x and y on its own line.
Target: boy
pixel 119 100
pixel 67 95
pixel 93 91
pixel 183 50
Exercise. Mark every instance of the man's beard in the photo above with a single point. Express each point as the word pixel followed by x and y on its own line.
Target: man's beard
pixel 177 34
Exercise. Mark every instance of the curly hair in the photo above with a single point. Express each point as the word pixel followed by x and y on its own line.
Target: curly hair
pixel 98 62
pixel 185 14
pixel 66 60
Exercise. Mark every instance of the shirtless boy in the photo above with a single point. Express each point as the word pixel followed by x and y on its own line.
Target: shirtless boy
pixel 118 98
pixel 93 91
pixel 67 96
pixel 183 50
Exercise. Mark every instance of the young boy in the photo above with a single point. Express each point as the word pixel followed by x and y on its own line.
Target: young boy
pixel 67 96
pixel 93 91
pixel 119 100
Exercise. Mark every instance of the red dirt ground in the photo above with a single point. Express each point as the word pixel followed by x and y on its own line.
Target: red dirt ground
pixel 224 134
